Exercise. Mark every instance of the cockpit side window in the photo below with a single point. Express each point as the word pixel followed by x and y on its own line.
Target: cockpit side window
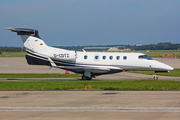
pixel 141 57
pixel 145 57
pixel 125 57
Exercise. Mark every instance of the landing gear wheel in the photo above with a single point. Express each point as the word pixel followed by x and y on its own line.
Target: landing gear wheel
pixel 86 78
pixel 155 78
pixel 89 78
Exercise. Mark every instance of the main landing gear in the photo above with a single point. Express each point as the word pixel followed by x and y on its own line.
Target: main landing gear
pixel 155 77
pixel 86 78
pixel 87 75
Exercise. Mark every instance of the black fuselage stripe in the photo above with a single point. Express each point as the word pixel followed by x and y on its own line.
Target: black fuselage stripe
pixel 62 62
pixel 29 49
pixel 37 61
pixel 34 58
pixel 36 55
pixel 59 62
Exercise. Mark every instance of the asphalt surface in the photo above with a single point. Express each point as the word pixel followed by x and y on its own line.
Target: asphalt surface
pixel 89 105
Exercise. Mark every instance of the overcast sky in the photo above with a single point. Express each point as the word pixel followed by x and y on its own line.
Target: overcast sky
pixel 92 22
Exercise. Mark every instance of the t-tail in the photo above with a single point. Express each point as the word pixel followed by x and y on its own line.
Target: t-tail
pixel 31 39
pixel 38 52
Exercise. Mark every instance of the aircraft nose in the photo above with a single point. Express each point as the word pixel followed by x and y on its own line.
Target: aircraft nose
pixel 159 66
pixel 166 67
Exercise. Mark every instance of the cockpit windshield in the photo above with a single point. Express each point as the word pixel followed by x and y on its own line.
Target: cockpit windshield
pixel 145 57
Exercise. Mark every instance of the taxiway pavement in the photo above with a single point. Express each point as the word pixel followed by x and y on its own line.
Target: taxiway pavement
pixel 90 105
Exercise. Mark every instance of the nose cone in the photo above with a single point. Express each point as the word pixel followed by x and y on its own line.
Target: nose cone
pixel 158 66
pixel 166 67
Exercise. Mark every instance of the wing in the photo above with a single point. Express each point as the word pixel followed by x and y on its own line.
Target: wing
pixel 94 69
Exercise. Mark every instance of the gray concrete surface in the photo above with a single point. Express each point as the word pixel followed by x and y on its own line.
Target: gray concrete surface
pixel 19 65
pixel 175 63
pixel 90 105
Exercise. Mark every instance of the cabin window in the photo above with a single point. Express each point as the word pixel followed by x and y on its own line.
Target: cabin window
pixel 104 57
pixel 145 57
pixel 96 57
pixel 110 57
pixel 85 57
pixel 117 57
pixel 125 57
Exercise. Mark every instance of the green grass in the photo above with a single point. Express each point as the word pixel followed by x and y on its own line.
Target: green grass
pixel 91 85
pixel 2 75
pixel 175 73
pixel 13 54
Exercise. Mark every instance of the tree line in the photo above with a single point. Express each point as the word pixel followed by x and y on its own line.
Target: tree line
pixel 12 49
pixel 159 46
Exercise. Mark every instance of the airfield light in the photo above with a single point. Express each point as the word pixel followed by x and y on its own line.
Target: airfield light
pixel 85 86
pixel 67 72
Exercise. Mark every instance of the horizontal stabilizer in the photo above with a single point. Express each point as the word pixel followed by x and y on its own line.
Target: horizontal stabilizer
pixel 24 31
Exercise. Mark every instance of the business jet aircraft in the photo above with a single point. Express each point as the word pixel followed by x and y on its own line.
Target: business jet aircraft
pixel 90 64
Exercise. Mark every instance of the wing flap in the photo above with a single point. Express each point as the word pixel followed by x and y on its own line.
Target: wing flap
pixel 85 68
pixel 91 68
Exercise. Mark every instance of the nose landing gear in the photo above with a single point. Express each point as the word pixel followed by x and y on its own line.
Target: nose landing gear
pixel 155 77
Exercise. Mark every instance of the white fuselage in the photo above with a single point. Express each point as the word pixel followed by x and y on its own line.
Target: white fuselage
pixel 124 61
pixel 92 62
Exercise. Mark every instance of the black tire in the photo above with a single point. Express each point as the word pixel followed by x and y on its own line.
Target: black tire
pixel 86 78
pixel 89 78
pixel 155 78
